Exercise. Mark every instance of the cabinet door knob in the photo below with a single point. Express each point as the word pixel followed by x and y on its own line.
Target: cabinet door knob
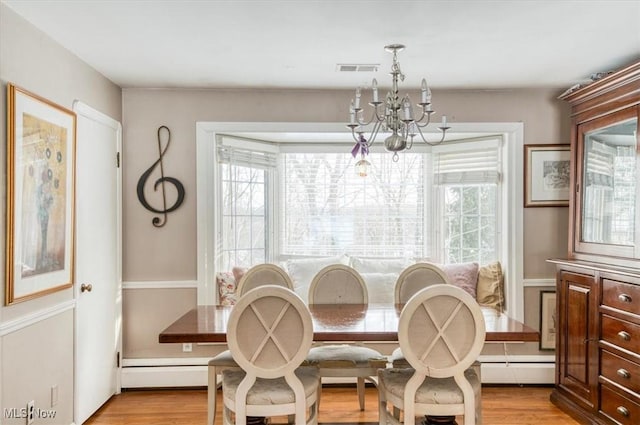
pixel 623 373
pixel 624 335
pixel 624 298
pixel 623 411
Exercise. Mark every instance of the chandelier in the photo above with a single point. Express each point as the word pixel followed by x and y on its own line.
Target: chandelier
pixel 394 115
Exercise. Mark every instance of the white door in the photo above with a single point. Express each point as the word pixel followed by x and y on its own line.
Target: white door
pixel 98 283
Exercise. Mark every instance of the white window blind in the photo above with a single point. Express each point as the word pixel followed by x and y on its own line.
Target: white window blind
pixel 467 162
pixel 327 209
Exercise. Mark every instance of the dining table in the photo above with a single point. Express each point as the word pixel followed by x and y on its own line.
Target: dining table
pixel 337 322
pixel 340 323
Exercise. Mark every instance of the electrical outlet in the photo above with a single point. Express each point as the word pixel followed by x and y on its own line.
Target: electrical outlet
pixel 31 412
pixel 187 347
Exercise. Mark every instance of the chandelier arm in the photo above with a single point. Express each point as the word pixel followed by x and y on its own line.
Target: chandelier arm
pixel 374 133
pixel 444 131
pixel 419 122
pixel 374 116
pixel 353 133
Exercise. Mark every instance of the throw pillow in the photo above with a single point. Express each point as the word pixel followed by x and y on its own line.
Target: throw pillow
pixel 463 275
pixel 379 265
pixel 491 286
pixel 226 285
pixel 380 287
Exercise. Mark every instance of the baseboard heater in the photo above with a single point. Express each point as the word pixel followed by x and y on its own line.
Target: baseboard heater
pixel 192 372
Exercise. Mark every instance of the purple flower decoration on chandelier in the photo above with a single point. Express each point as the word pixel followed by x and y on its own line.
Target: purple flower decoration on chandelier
pixel 360 147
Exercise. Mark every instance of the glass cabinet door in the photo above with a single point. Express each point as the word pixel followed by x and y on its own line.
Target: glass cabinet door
pixel 608 208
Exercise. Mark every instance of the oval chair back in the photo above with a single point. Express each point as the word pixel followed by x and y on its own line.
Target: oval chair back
pixel 263 274
pixel 338 284
pixel 416 277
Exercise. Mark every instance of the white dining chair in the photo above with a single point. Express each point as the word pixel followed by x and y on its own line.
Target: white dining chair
pixel 341 284
pixel 269 334
pixel 411 280
pixel 258 275
pixel 441 332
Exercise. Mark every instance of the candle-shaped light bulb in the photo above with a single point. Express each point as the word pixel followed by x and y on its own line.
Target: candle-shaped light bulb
pixel 352 114
pixel 428 96
pixel 424 90
pixel 406 106
pixel 444 121
pixel 374 86
pixel 357 98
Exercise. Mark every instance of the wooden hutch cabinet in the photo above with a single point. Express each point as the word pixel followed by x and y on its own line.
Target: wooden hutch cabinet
pixel 598 286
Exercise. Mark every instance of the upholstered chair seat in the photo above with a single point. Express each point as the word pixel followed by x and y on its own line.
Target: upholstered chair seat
pixel 269 391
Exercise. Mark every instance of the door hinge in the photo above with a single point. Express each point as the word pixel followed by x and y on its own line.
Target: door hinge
pixel 118 359
pixel 118 160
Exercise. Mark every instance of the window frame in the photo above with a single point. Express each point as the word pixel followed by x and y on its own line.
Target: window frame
pixel 511 212
pixel 270 189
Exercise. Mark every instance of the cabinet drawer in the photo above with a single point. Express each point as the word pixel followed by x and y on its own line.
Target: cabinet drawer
pixel 623 409
pixel 620 371
pixel 621 296
pixel 621 333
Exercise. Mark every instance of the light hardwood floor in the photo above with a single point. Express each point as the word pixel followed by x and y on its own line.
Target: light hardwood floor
pixel 511 405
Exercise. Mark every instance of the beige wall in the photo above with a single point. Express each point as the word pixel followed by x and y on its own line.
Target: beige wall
pixel 169 253
pixel 40 355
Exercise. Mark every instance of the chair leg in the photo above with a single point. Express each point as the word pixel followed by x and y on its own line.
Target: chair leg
pixel 360 387
pixel 212 386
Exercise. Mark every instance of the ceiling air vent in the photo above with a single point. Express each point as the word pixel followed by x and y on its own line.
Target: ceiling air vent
pixel 357 67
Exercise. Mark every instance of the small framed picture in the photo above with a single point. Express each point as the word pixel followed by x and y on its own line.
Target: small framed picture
pixel 546 175
pixel 40 196
pixel 548 320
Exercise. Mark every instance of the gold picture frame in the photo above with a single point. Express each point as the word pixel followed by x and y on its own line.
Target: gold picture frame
pixel 41 141
pixel 548 320
pixel 546 175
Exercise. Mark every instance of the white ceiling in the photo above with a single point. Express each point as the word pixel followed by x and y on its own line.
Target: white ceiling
pixel 278 43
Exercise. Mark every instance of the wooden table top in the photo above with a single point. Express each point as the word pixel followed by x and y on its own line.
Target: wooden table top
pixel 345 322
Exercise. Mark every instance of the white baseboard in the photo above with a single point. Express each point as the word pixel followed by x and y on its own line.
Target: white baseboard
pixel 179 372
pixel 518 373
pixel 164 376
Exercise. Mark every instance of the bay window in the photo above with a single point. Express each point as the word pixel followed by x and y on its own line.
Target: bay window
pixel 268 192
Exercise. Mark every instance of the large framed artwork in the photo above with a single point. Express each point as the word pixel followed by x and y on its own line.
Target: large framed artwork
pixel 546 175
pixel 41 139
pixel 548 320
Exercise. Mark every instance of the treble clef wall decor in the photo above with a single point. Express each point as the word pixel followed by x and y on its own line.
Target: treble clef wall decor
pixel 157 221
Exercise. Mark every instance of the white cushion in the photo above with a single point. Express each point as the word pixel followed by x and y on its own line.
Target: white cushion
pixel 270 391
pixel 379 265
pixel 432 390
pixel 303 270
pixel 380 287
pixel 358 356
